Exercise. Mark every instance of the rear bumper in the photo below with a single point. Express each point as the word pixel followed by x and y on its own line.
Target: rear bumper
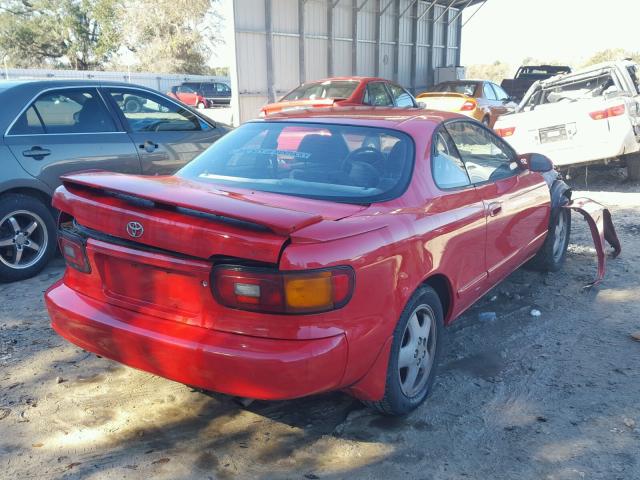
pixel 240 365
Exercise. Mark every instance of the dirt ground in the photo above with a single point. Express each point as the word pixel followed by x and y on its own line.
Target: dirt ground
pixel 517 397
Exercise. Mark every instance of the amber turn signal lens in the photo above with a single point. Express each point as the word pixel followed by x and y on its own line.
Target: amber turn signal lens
pixel 273 291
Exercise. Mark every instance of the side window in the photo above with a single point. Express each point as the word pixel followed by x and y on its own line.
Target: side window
pixel 377 95
pixel 66 111
pixel 489 94
pixel 185 89
pixel 485 156
pixel 27 124
pixel 146 112
pixel 500 93
pixel 447 167
pixel 400 96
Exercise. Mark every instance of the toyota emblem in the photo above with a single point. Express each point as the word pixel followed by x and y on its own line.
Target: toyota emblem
pixel 135 229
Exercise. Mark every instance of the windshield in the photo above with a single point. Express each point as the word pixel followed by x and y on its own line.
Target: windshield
pixel 467 88
pixel 330 162
pixel 328 89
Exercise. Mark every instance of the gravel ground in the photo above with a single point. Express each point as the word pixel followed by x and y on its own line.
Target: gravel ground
pixel 550 397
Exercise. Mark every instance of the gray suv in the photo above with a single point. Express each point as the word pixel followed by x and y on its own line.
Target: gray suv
pixel 52 128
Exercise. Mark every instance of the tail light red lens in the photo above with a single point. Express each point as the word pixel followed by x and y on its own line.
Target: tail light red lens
pixel 272 291
pixel 74 252
pixel 505 132
pixel 609 112
pixel 468 106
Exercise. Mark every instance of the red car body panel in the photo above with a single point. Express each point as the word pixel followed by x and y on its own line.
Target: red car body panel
pixel 152 308
pixel 356 98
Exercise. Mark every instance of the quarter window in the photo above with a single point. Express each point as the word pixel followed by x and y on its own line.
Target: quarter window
pixel 447 166
pixel 400 96
pixel 377 95
pixel 485 156
pixel 146 112
pixel 500 93
pixel 65 111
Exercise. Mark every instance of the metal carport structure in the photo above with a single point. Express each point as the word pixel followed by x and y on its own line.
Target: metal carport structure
pixel 281 43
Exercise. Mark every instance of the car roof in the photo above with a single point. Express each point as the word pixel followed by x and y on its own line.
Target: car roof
pixel 385 117
pixel 56 82
pixel 353 78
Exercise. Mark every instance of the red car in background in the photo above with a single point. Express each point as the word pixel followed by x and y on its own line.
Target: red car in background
pixel 268 271
pixel 342 91
pixel 189 96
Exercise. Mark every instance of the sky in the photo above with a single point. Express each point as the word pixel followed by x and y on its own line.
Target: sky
pixel 563 30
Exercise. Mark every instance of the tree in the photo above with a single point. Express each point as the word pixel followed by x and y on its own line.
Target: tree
pixel 612 54
pixel 171 36
pixel 81 34
pixel 494 72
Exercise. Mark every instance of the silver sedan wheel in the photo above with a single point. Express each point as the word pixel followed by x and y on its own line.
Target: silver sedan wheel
pixel 560 235
pixel 417 350
pixel 23 239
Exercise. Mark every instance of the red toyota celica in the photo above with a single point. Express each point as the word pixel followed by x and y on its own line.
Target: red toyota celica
pixel 274 269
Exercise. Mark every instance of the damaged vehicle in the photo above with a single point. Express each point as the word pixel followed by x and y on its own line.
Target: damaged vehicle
pixel 580 118
pixel 272 269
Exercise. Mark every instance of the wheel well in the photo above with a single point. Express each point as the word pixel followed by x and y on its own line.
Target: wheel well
pixel 31 192
pixel 442 287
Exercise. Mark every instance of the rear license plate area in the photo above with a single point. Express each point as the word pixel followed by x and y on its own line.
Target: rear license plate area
pixel 557 133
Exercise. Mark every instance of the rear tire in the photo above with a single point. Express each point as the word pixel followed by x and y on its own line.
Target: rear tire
pixel 551 256
pixel 414 356
pixel 633 166
pixel 27 236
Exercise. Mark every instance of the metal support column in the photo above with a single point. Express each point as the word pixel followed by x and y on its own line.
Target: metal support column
pixel 432 34
pixel 271 94
pixel 354 37
pixel 376 66
pixel 445 40
pixel 459 39
pixel 301 51
pixel 330 6
pixel 414 46
pixel 396 46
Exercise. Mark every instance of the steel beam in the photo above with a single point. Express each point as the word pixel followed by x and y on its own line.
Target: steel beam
pixel 271 94
pixel 414 47
pixel 378 40
pixel 427 10
pixel 330 7
pixel 446 10
pixel 445 40
pixel 301 50
pixel 474 13
pixel 432 34
pixel 354 37
pixel 396 47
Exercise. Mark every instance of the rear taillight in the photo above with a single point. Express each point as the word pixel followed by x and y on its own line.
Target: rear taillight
pixel 272 291
pixel 468 106
pixel 505 132
pixel 609 112
pixel 74 252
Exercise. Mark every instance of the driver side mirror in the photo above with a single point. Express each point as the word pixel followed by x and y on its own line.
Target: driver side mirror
pixel 422 105
pixel 536 162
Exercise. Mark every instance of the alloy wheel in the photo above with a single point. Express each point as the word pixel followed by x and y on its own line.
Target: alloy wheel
pixel 23 239
pixel 417 350
pixel 560 236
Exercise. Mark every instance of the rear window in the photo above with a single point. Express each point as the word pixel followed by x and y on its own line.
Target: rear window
pixel 466 88
pixel 328 89
pixel 329 162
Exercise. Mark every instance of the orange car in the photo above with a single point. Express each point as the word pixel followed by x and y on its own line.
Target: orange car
pixel 479 99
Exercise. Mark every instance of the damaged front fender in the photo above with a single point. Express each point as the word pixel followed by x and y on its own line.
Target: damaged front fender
pixel 599 220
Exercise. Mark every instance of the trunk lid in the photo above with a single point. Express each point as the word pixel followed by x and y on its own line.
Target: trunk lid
pixel 444 101
pixel 191 218
pixel 300 104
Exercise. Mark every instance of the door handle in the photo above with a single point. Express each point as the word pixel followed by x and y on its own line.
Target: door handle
pixel 148 146
pixel 38 153
pixel 494 208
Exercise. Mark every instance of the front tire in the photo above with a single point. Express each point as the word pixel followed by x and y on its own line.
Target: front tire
pixel 553 253
pixel 27 237
pixel 414 356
